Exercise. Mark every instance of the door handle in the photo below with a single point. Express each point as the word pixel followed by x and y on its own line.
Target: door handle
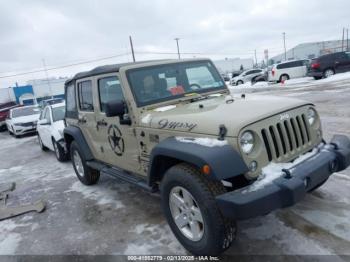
pixel 82 120
pixel 102 123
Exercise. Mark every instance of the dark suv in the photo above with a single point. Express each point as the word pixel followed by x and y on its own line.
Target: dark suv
pixel 330 64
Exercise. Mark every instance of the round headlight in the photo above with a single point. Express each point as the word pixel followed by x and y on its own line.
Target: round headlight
pixel 311 116
pixel 247 142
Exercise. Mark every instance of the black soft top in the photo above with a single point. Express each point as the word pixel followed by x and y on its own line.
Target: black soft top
pixel 104 70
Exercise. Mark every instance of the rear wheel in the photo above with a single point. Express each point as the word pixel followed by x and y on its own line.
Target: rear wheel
pixel 328 72
pixel 284 77
pixel 59 151
pixel 188 203
pixel 86 175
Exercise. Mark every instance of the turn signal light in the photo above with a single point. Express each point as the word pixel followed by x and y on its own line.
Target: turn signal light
pixel 206 169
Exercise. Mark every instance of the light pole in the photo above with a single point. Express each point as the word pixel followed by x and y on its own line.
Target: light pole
pixel 177 43
pixel 284 44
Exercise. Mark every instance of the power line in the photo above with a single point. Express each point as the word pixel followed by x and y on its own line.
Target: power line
pixel 45 69
pixel 63 66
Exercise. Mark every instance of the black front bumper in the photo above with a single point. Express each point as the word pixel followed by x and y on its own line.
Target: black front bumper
pixel 290 188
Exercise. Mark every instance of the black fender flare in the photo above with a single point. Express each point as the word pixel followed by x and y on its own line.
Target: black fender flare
pixel 78 137
pixel 224 161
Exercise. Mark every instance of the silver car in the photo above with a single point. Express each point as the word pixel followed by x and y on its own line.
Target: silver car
pixel 246 76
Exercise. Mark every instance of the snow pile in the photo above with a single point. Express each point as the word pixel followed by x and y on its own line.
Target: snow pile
pixel 158 236
pixel 146 119
pixel 336 77
pixel 9 239
pixel 203 141
pixel 300 80
pixel 273 170
pixel 164 108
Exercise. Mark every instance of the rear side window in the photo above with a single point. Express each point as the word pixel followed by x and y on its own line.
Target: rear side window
pixel 85 96
pixel 290 64
pixel 109 89
pixel 71 105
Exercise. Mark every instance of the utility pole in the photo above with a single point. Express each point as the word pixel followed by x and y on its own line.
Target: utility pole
pixel 284 44
pixel 132 49
pixel 47 78
pixel 347 39
pixel 256 61
pixel 342 40
pixel 177 43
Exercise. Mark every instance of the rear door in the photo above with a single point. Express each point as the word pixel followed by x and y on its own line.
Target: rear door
pixel 341 62
pixel 86 115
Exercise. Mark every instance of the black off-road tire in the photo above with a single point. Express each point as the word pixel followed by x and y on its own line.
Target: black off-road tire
pixel 90 176
pixel 60 153
pixel 43 148
pixel 219 232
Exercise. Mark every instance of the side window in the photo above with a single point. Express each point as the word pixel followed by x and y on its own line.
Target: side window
pixel 42 114
pixel 85 96
pixel 109 89
pixel 71 105
pixel 47 115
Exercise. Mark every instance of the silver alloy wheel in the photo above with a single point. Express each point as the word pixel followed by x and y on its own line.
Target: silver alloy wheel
pixel 328 73
pixel 186 213
pixel 78 163
pixel 57 151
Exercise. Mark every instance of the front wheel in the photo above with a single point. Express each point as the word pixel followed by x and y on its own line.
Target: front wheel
pixel 87 175
pixel 239 82
pixel 188 203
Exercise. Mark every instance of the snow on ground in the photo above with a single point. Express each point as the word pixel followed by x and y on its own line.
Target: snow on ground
pixel 103 197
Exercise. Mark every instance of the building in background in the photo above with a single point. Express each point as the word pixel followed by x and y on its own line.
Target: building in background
pixel 34 91
pixel 230 65
pixel 311 50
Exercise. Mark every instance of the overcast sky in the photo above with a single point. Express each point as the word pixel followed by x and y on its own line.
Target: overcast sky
pixel 64 32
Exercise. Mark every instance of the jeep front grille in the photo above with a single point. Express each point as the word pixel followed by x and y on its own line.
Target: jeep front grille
pixel 286 137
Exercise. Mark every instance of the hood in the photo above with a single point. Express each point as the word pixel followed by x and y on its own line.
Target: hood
pixel 205 116
pixel 26 119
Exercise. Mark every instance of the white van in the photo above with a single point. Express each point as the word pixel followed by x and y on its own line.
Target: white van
pixel 288 69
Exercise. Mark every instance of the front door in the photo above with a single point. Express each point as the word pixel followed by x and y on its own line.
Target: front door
pixel 118 142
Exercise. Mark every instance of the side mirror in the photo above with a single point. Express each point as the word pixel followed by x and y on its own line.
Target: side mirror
pixel 115 108
pixel 43 122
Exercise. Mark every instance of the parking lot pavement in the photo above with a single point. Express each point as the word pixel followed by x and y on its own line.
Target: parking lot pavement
pixel 113 217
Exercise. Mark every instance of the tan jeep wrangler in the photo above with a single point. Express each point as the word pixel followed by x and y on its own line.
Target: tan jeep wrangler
pixel 173 126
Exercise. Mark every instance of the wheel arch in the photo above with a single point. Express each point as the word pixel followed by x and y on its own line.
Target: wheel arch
pixel 224 161
pixel 72 133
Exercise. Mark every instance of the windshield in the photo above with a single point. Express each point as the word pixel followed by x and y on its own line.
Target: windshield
pixel 167 82
pixel 26 111
pixel 58 113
